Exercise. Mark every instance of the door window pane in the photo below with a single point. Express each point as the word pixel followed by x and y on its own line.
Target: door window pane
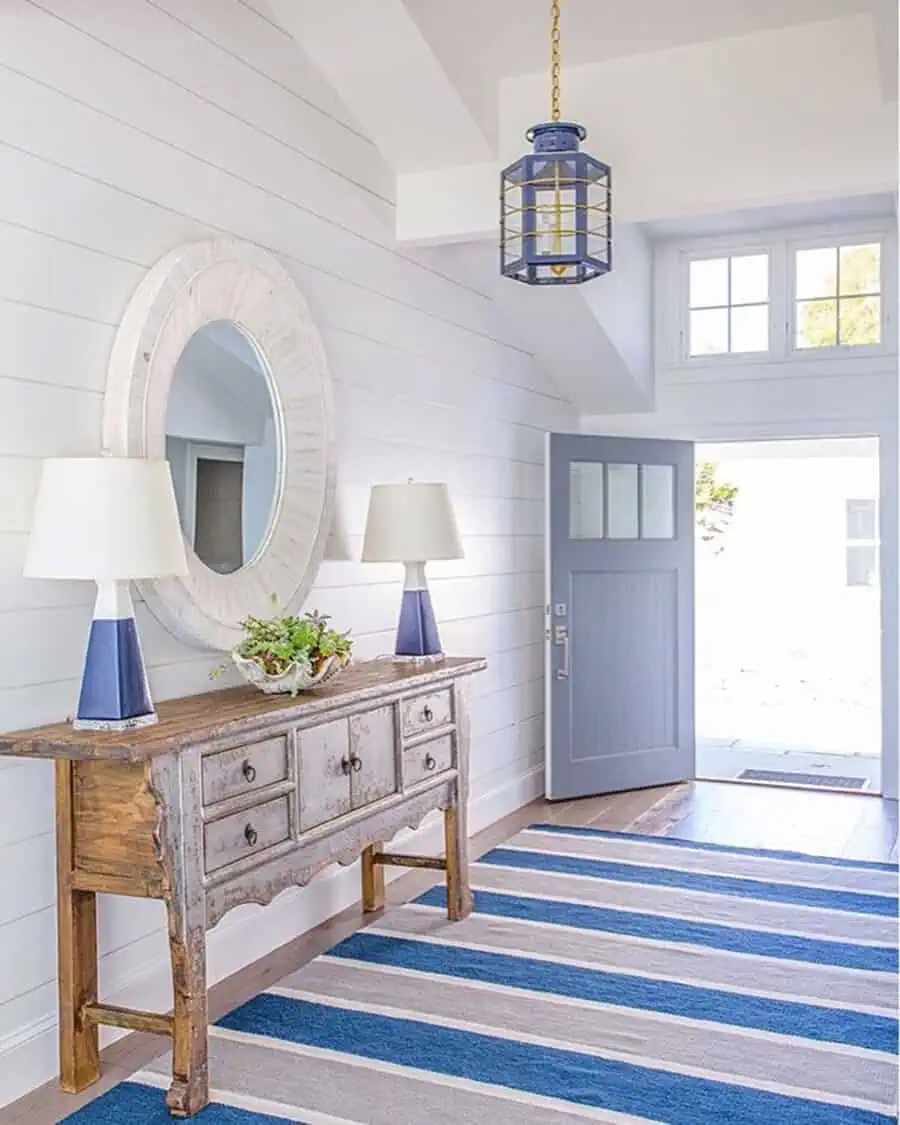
pixel 586 500
pixel 658 501
pixel 622 485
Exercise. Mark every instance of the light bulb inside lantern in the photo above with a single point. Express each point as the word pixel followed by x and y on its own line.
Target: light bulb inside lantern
pixel 550 226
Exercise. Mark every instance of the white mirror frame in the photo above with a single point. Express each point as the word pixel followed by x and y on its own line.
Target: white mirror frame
pixel 225 279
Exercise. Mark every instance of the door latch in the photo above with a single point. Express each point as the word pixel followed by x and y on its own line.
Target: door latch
pixel 561 637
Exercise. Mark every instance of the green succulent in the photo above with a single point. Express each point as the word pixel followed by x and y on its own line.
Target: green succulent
pixel 277 642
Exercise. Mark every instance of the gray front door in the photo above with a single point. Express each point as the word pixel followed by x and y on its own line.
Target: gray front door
pixel 620 614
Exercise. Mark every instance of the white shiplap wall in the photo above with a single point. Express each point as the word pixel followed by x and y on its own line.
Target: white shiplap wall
pixel 126 127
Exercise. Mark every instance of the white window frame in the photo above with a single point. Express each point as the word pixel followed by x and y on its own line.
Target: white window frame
pixel 703 255
pixel 824 242
pixel 673 294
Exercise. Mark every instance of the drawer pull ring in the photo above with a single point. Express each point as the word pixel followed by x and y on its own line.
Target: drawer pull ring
pixel 356 763
pixel 251 835
pixel 249 771
pixel 430 763
pixel 427 714
pixel 345 765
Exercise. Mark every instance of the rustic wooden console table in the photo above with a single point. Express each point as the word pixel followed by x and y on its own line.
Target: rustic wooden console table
pixel 231 798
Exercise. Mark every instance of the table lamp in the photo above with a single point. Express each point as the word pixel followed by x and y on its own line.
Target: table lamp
pixel 412 523
pixel 108 519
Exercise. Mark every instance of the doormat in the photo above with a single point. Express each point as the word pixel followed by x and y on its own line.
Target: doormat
pixel 784 777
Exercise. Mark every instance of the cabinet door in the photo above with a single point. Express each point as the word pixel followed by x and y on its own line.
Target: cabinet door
pixel 324 773
pixel 373 753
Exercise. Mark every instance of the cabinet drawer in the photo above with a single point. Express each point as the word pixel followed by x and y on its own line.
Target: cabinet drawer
pixel 426 712
pixel 246 833
pixel 427 759
pixel 244 769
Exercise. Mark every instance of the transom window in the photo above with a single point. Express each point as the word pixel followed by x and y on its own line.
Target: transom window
pixel 728 304
pixel 837 296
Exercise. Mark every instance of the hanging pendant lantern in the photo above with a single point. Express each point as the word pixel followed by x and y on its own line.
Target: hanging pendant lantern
pixel 555 202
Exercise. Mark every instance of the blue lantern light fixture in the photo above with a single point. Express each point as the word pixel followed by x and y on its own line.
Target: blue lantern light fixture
pixel 555 203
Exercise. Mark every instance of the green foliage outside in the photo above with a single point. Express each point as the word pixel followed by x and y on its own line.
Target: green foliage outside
pixel 854 319
pixel 714 504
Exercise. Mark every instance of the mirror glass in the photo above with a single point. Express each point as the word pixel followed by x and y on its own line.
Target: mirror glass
pixel 223 443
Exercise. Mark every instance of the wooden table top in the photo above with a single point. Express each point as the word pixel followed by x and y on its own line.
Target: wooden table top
pixel 218 714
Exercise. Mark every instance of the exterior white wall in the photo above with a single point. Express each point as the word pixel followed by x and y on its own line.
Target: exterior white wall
pixel 127 127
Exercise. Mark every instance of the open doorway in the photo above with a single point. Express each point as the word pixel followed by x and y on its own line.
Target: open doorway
pixel 788 679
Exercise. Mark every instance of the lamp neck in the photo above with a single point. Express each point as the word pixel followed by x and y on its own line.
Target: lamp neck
pixel 113 601
pixel 415 576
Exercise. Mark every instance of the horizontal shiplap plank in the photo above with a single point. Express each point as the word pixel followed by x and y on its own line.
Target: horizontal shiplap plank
pixel 248 32
pixel 133 230
pixel 41 420
pixel 178 177
pixel 64 277
pixel 41 346
pixel 131 45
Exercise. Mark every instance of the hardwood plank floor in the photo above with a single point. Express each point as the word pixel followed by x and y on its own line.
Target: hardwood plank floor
pixel 820 823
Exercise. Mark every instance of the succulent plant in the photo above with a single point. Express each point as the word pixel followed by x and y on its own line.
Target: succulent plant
pixel 277 642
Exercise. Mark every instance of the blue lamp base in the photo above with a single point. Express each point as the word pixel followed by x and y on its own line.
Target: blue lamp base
pixel 417 631
pixel 115 695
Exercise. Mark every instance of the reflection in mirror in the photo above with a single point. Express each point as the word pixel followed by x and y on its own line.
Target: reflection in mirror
pixel 223 444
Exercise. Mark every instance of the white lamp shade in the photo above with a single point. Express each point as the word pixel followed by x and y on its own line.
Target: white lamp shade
pixel 411 523
pixel 105 518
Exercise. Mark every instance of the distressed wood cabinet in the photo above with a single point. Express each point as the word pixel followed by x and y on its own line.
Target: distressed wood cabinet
pixel 233 797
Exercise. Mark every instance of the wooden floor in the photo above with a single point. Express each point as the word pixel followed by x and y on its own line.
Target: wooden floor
pixel 820 823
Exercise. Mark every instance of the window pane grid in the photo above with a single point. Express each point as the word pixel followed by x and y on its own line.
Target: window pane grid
pixel 712 321
pixel 842 307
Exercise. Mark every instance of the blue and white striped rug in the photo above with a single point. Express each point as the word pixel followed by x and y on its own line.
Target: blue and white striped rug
pixel 603 977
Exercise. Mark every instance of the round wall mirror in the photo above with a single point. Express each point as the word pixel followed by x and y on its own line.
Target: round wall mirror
pixel 224 446
pixel 218 367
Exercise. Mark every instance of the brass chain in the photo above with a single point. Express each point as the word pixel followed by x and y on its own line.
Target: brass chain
pixel 554 61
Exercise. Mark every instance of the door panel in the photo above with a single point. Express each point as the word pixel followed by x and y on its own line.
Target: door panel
pixel 324 773
pixel 373 744
pixel 620 652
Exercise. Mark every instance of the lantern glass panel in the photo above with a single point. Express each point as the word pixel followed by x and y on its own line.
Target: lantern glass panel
pixel 555 218
pixel 513 203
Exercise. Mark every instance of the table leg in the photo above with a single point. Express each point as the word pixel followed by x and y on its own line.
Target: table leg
pixel 189 1092
pixel 459 894
pixel 177 789
pixel 372 881
pixel 79 1042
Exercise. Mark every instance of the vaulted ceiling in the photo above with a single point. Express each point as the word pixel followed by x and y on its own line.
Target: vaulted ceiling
pixel 704 108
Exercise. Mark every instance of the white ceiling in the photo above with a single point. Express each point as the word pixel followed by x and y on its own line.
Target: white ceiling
pixel 508 37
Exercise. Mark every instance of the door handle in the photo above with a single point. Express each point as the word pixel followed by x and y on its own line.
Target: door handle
pixel 561 637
